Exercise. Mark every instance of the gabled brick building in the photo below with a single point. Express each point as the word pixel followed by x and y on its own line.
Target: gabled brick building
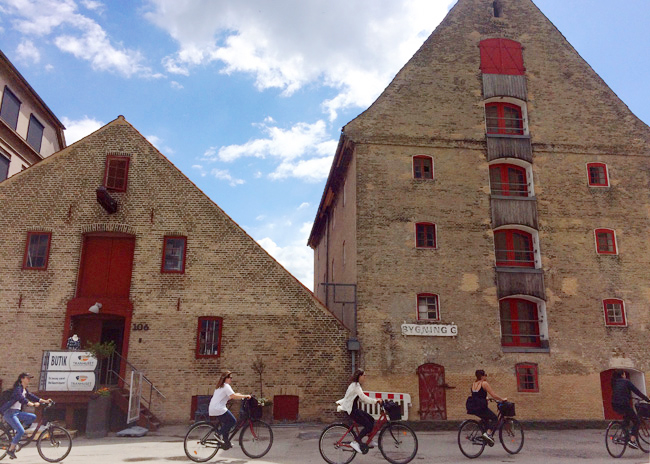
pixel 496 192
pixel 185 293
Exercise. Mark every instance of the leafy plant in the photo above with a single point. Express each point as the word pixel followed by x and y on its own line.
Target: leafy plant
pixel 104 391
pixel 259 366
pixel 101 350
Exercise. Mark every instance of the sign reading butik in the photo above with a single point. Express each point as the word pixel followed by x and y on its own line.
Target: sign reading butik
pixel 67 371
pixel 430 330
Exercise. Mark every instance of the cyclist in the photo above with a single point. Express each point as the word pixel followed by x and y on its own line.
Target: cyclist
pixel 222 393
pixel 350 404
pixel 12 412
pixel 622 390
pixel 480 390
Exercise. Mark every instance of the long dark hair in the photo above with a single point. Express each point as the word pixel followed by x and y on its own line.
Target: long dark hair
pixel 355 377
pixel 19 380
pixel 479 373
pixel 223 378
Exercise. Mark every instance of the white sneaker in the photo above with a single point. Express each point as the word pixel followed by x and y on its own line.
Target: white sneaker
pixel 355 446
pixel 372 444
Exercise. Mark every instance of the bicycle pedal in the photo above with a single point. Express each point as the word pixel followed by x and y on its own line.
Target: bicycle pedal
pixel 364 448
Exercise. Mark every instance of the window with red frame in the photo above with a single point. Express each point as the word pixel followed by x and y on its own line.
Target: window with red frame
pixel 598 175
pixel 514 248
pixel 37 250
pixel 501 56
pixel 504 118
pixel 116 173
pixel 174 249
pixel 422 167
pixel 527 378
pixel 508 180
pixel 428 307
pixel 605 241
pixel 425 235
pixel 519 323
pixel 208 339
pixel 614 312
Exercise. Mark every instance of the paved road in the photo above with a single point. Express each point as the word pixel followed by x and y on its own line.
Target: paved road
pixel 299 445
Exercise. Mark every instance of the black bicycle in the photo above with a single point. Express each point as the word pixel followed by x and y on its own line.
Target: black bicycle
pixel 617 436
pixel 202 440
pixel 53 443
pixel 511 434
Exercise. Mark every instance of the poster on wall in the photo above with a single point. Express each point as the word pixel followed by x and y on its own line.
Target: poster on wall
pixel 67 381
pixel 68 361
pixel 67 371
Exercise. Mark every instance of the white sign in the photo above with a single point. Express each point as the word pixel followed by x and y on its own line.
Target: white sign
pixel 68 361
pixel 67 381
pixel 431 330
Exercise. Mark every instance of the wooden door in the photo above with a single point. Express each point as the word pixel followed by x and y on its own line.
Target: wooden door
pixel 106 266
pixel 285 407
pixel 433 397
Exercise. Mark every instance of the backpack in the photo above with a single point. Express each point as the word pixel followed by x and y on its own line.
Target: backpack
pixel 5 396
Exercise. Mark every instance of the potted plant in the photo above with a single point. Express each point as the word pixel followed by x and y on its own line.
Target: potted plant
pixel 99 409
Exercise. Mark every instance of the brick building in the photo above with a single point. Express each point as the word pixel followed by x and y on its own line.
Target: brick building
pixel 185 293
pixel 29 130
pixel 496 192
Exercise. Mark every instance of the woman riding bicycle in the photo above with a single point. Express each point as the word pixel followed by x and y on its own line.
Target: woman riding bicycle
pixel 350 404
pixel 480 390
pixel 222 393
pixel 622 390
pixel 12 412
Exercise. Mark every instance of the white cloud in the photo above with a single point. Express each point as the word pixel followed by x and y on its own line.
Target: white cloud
pixel 303 205
pixel 93 5
pixel 158 143
pixel 289 43
pixel 27 51
pixel 223 174
pixel 176 85
pixel 78 129
pixel 296 257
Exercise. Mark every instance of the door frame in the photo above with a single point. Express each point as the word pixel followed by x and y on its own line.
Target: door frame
pixel 443 388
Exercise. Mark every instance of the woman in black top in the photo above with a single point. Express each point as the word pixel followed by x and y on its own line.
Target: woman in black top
pixel 622 390
pixel 480 390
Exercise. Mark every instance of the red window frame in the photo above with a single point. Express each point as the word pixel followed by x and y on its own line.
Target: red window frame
pixel 426 235
pixel 202 344
pixel 27 255
pixel 419 167
pixel 163 267
pixel 593 175
pixel 511 255
pixel 497 122
pixel 513 327
pixel 436 300
pixel 605 241
pixel 609 320
pixel 116 172
pixel 501 56
pixel 527 377
pixel 501 182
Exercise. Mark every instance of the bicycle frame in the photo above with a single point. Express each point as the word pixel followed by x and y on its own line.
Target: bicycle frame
pixel 354 429
pixel 26 440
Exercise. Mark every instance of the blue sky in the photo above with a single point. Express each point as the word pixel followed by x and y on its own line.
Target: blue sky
pixel 248 97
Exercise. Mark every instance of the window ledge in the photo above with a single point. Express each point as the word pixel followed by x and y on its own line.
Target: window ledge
pixel 522 270
pixel 508 197
pixel 525 349
pixel 508 136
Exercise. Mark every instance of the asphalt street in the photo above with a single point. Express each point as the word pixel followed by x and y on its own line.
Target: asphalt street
pixel 299 445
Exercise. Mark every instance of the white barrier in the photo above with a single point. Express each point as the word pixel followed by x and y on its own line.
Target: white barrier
pixel 403 399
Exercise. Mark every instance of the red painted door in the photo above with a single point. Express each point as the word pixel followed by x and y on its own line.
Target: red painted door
pixel 433 397
pixel 285 407
pixel 606 388
pixel 106 265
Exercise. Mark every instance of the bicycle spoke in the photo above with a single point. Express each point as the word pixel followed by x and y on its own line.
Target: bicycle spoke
pixel 616 439
pixel 334 444
pixel 54 443
pixel 511 435
pixel 5 441
pixel 200 442
pixel 398 443
pixel 256 439
pixel 470 439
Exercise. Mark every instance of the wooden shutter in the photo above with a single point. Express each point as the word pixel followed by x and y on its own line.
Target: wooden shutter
pixel 501 56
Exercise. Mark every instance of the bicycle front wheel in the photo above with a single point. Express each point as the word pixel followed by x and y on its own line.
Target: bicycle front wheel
pixel 256 439
pixel 200 442
pixel 398 443
pixel 470 439
pixel 644 435
pixel 5 441
pixel 616 439
pixel 511 435
pixel 334 444
pixel 54 444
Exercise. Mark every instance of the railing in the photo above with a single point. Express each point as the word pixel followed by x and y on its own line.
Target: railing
pixel 510 189
pixel 403 399
pixel 115 370
pixel 523 258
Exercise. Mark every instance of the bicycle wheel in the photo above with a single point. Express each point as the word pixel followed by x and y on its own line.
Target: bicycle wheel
pixel 644 435
pixel 54 444
pixel 201 442
pixel 256 438
pixel 398 443
pixel 5 441
pixel 511 435
pixel 470 439
pixel 616 439
pixel 334 444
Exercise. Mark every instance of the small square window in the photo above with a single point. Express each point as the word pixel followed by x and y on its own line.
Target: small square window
pixel 208 341
pixel 117 173
pixel 527 378
pixel 35 133
pixel 428 307
pixel 614 312
pixel 425 235
pixel 597 175
pixel 10 108
pixel 37 250
pixel 605 241
pixel 174 250
pixel 422 167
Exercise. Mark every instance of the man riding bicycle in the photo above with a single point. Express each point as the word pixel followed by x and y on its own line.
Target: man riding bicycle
pixel 622 390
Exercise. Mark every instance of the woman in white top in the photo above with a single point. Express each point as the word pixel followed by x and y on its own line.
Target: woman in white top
pixel 350 404
pixel 218 408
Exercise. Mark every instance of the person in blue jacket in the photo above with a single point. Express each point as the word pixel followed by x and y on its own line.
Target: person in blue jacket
pixel 622 390
pixel 12 409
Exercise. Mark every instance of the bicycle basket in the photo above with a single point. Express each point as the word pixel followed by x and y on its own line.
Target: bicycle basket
pixel 507 408
pixel 643 409
pixel 251 408
pixel 393 410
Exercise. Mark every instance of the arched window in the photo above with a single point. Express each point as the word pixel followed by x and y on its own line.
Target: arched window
pixel 514 247
pixel 428 308
pixel 614 312
pixel 501 56
pixel 519 322
pixel 508 180
pixel 504 118
pixel 422 167
pixel 605 241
